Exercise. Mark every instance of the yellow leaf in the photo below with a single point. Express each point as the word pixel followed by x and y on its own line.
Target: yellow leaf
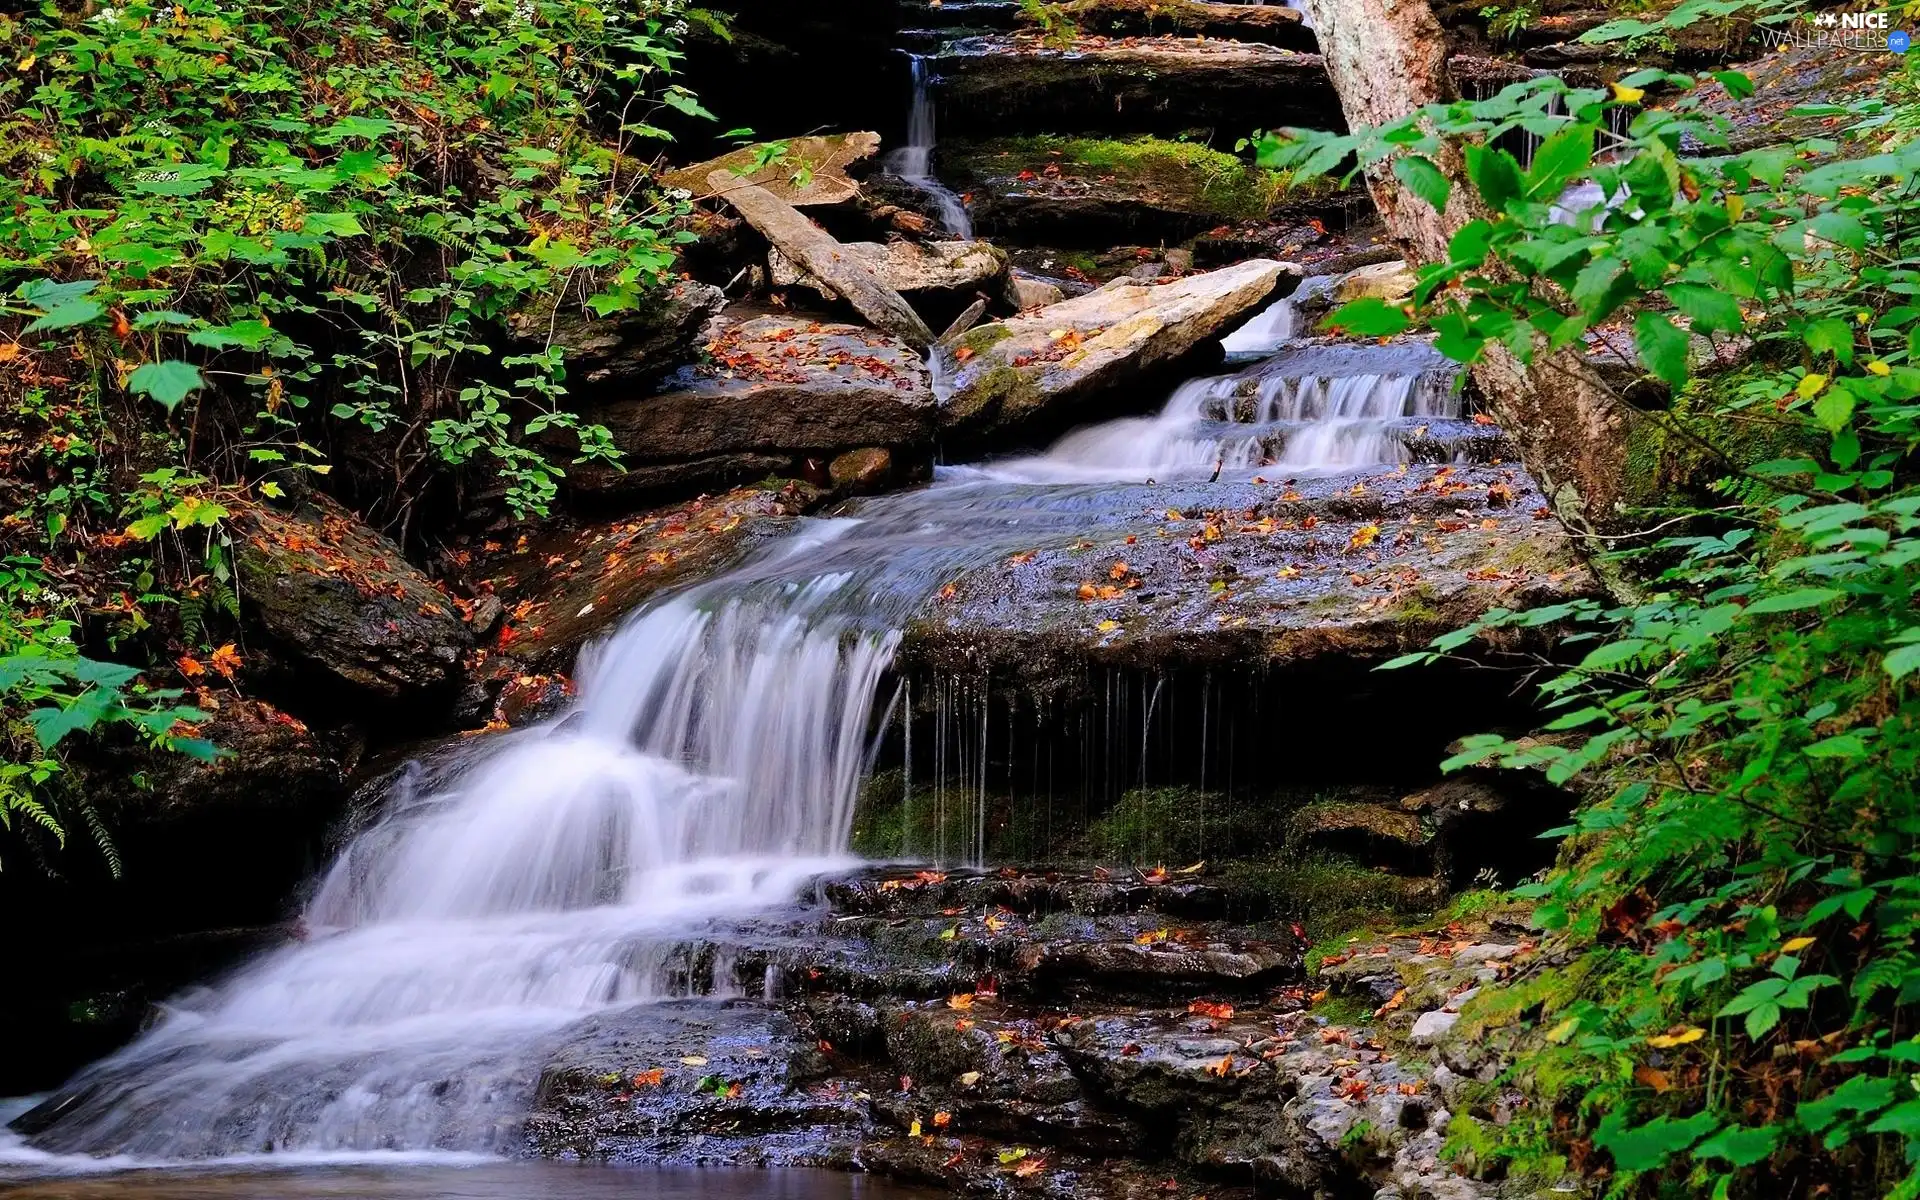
pixel 1735 206
pixel 26 64
pixel 1796 945
pixel 693 1060
pixel 1810 386
pixel 915 1130
pixel 1628 95
pixel 1685 1037
pixel 1107 626
pixel 1564 1030
pixel 1879 368
pixel 962 1001
pixel 1363 536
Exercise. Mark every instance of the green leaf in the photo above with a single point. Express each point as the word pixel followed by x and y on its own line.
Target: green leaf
pixel 167 382
pixel 336 224
pixel 1900 663
pixel 1740 1146
pixel 1495 174
pixel 1794 600
pixel 1368 316
pixel 73 312
pixel 249 334
pixel 1645 1147
pixel 1831 336
pixel 1710 309
pixel 1424 179
pixel 46 294
pixel 1834 409
pixel 1560 160
pixel 1738 85
pixel 1663 348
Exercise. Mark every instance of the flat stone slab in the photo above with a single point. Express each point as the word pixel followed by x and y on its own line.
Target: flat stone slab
pixel 821 161
pixel 1276 569
pixel 1019 83
pixel 774 390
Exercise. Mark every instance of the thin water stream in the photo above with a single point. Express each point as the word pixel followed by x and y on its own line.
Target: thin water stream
pixel 706 773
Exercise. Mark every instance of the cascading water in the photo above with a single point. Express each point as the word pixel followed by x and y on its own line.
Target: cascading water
pixel 913 162
pixel 1308 408
pixel 707 771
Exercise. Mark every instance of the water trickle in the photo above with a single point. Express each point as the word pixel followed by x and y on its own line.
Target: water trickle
pixel 913 162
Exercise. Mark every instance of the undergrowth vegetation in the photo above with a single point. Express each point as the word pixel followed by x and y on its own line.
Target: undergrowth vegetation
pixel 237 240
pixel 1734 1012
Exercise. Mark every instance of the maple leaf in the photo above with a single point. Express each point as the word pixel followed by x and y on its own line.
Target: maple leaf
pixel 651 1078
pixel 962 1001
pixel 963 354
pixel 1363 536
pixel 190 666
pixel 225 660
pixel 1087 592
pixel 1222 1069
pixel 1213 1009
pixel 1118 571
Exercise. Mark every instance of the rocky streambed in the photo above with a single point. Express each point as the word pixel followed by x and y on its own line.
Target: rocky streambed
pixel 1045 1032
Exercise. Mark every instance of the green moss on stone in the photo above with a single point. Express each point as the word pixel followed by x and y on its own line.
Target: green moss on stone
pixel 1187 176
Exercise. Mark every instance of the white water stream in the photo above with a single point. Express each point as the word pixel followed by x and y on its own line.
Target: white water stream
pixel 913 162
pixel 706 772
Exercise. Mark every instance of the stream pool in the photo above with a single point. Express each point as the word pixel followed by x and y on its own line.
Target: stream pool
pixel 479 1181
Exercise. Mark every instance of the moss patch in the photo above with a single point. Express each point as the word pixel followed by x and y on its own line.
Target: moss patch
pixel 1183 176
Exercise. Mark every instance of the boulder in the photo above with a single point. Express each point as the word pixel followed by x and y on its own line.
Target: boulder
pixel 344 604
pixel 912 268
pixel 1391 282
pixel 625 348
pixel 821 162
pixel 1053 362
pixel 775 390
pixel 1273 24
pixel 1011 84
pixel 1033 293
pixel 865 470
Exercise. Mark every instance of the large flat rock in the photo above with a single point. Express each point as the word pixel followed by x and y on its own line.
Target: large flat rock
pixel 1047 365
pixel 1101 192
pixel 775 392
pixel 1277 571
pixel 1017 83
pixel 1272 24
pixel 811 173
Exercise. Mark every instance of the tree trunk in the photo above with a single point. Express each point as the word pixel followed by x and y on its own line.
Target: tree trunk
pixel 1389 58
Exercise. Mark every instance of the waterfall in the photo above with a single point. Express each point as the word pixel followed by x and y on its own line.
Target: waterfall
pixel 1310 408
pixel 913 162
pixel 533 880
pixel 707 770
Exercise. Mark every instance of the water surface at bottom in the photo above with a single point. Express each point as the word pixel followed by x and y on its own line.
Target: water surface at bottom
pixel 490 1181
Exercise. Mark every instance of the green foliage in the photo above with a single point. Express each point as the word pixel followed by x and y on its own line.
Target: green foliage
pixel 231 234
pixel 1057 29
pixel 338 200
pixel 1738 904
pixel 50 692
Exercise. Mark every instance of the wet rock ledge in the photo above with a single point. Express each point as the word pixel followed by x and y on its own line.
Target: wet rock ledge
pixel 1071 1035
